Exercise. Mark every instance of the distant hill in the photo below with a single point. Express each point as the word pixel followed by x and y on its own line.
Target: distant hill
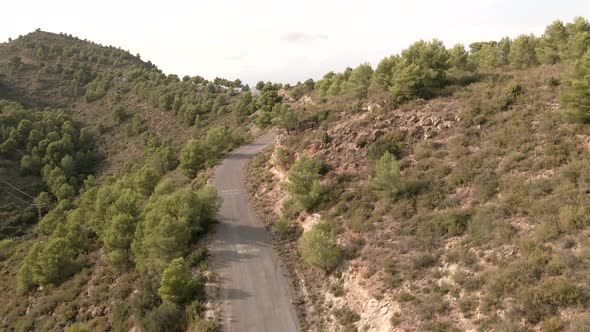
pixel 90 81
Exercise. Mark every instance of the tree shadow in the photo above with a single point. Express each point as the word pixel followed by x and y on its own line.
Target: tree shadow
pixel 240 156
pixel 235 294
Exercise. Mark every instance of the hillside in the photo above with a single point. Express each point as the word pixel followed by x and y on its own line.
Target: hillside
pixel 91 81
pixel 446 190
pixel 113 156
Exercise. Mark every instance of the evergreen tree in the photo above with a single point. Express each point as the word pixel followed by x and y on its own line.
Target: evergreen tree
pixel 576 93
pixel 485 56
pixel 578 43
pixel 387 179
pixel 287 118
pixel 55 262
pixel 359 81
pixel 193 158
pixel 117 239
pixel 552 43
pixel 304 181
pixel 459 58
pixel 522 53
pixel 25 277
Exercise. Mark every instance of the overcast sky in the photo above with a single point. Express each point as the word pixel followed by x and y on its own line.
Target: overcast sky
pixel 276 40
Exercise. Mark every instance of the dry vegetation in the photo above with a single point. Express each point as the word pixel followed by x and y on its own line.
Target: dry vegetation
pixel 490 232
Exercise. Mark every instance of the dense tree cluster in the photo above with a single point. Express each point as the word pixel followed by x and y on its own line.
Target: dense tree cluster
pixel 47 143
pixel 268 104
pixel 140 221
pixel 199 154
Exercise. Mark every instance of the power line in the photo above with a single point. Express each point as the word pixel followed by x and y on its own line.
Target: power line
pixel 16 197
pixel 15 188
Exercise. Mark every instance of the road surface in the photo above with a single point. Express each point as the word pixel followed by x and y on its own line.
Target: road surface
pixel 254 293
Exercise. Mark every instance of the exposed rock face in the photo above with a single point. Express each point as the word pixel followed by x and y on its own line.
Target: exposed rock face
pixel 375 315
pixel 345 151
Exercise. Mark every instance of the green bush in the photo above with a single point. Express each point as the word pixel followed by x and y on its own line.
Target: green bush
pixel 285 229
pixel 7 247
pixel 177 285
pixel 198 258
pixel 549 295
pixel 433 228
pixel 392 142
pixel 488 225
pixel 119 114
pixel 166 317
pixel 319 247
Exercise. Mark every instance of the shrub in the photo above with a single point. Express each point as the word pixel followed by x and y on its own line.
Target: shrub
pixel 198 257
pixel 177 284
pixel 361 142
pixel 387 179
pixel 119 114
pixel 346 316
pixel 488 225
pixel 166 317
pixel 283 158
pixel 285 229
pixel 392 142
pixel 553 324
pixel 549 295
pixel 448 223
pixel 423 261
pixel 7 247
pixel 319 247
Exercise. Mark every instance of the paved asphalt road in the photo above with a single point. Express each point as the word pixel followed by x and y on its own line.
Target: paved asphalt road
pixel 254 294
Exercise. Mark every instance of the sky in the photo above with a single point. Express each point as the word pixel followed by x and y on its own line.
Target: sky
pixel 280 41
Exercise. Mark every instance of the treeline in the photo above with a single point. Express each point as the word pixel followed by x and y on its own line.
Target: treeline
pixel 425 68
pixel 90 71
pixel 193 99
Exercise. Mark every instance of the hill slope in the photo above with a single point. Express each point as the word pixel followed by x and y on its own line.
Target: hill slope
pixel 438 192
pixel 113 155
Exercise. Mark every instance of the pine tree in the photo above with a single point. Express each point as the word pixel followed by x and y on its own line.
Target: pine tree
pixel 304 185
pixel 193 158
pixel 387 179
pixel 117 239
pixel 576 93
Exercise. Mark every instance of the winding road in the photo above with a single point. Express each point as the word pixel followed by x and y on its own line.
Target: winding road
pixel 254 292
